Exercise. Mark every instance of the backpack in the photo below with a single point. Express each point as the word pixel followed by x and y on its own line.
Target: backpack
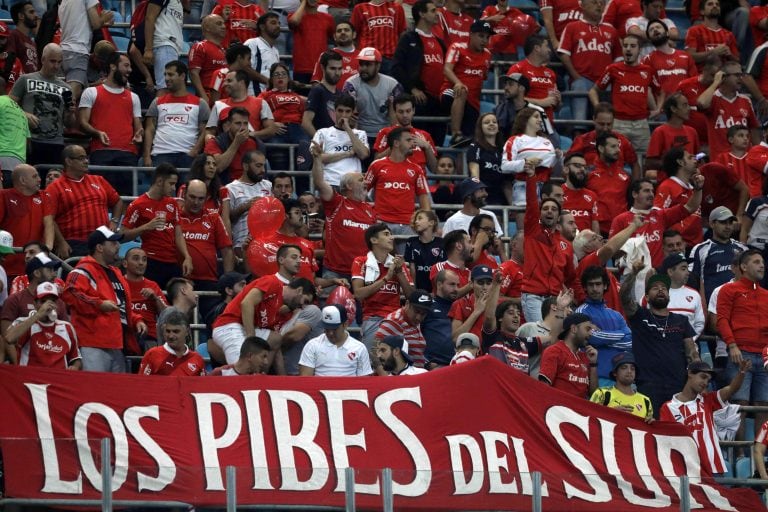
pixel 49 24
pixel 137 19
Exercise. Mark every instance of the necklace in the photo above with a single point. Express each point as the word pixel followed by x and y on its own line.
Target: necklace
pixel 656 324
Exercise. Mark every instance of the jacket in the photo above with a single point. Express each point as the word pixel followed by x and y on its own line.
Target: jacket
pixel 407 60
pixel 742 315
pixel 613 336
pixel 87 286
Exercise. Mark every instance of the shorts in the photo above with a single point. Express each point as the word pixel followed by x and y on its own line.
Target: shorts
pixel 230 338
pixel 755 385
pixel 163 55
pixel 518 192
pixel 75 67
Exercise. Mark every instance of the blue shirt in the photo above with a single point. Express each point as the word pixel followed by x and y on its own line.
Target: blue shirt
pixel 712 263
pixel 614 335
pixel 436 328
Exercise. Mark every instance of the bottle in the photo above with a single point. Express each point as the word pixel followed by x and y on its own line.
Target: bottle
pixel 53 315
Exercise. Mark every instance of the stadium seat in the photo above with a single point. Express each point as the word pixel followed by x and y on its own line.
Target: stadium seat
pixel 743 467
pixel 121 42
pixel 486 106
pixel 127 246
pixel 749 429
pixel 118 31
pixel 202 349
pixel 5 14
pixel 565 143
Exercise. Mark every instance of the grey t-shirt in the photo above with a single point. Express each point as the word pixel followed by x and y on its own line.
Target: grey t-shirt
pixel 311 316
pixel 373 101
pixel 43 98
pixel 529 330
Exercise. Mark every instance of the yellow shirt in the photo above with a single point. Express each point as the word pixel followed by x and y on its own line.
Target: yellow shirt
pixel 612 397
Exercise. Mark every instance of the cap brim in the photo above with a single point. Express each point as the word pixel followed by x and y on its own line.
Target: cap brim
pixel 6 250
pixel 47 295
pixel 330 326
pixel 425 307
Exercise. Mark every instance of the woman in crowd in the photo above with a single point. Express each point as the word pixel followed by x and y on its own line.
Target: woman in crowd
pixel 484 158
pixel 203 168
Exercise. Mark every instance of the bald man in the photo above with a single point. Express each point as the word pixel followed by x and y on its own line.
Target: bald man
pixel 49 107
pixel 22 214
pixel 204 234
pixel 206 57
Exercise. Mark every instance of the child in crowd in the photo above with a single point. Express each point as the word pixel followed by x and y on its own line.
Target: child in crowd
pixel 467 348
pixel 425 249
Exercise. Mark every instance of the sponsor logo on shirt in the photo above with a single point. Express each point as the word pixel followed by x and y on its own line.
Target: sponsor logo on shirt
pixel 176 118
pixel 594 46
pixel 397 185
pixel 196 236
pixel 49 347
pixel 352 224
pixel 381 21
pixel 632 88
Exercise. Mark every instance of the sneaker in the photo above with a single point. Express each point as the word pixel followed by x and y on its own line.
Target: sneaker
pixel 459 140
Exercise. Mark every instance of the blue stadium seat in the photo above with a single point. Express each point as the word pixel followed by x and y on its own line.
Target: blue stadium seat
pixel 565 143
pixel 5 14
pixel 743 467
pixel 749 429
pixel 119 31
pixel 121 42
pixel 127 246
pixel 202 349
pixel 728 469
pixel 486 106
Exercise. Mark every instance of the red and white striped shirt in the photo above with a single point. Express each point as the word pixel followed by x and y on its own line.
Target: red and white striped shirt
pixel 703 39
pixel 452 27
pixel 396 323
pixel 698 416
pixel 762 436
pixel 241 15
pixel 463 273
pixel 80 206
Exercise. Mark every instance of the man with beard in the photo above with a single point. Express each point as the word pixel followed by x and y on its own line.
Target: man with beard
pixel 318 111
pixel 347 215
pixel 20 41
pixel 473 194
pixel 245 191
pixel 516 87
pixel 264 51
pixel 486 246
pixel 147 298
pixel 578 199
pixel 335 353
pixel 230 146
pixel 406 322
pixel 344 46
pixel 570 365
pixel 681 166
pixel 111 114
pixel 458 253
pixel 662 341
pixel 397 184
pixel 668 64
pixel 652 12
pixel 373 92
pixel 47 101
pixel 709 37
pixel 424 152
pixel 343 147
pixel 436 326
pixel 608 180
pixel 586 143
pixel 674 133
pixel 392 352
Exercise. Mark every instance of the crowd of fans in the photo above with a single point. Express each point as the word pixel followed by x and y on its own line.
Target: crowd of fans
pixel 639 234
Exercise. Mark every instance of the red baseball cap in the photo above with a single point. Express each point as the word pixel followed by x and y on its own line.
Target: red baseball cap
pixel 370 54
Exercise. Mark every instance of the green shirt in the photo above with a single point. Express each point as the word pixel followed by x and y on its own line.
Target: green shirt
pixel 15 129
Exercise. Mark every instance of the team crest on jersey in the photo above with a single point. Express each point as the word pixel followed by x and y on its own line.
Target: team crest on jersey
pixel 563 246
pixel 169 207
pixel 587 198
pixel 670 62
pixel 49 335
pixel 435 251
pixel 206 225
pixel 36 200
pixel 188 108
pixel 644 75
pixel 410 173
pixel 192 367
pixel 352 356
pixel 95 186
pixel 689 298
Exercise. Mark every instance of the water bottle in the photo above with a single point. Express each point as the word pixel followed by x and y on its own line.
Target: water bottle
pixel 53 315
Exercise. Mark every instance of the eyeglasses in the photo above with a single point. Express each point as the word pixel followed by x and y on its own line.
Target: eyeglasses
pixel 280 75
pixel 489 229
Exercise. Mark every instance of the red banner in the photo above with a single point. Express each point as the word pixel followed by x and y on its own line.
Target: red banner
pixel 465 437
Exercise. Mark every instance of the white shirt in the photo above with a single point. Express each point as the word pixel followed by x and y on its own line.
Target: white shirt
pixel 409 370
pixel 263 55
pixel 349 360
pixel 687 301
pixel 219 106
pixel 239 192
pixel 76 30
pixel 178 123
pixel 334 140
pixel 168 26
pixel 460 220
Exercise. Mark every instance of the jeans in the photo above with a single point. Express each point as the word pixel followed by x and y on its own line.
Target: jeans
pixel 755 385
pixel 532 306
pixel 178 160
pixel 163 55
pixel 103 360
pixel 738 22
pixel 580 105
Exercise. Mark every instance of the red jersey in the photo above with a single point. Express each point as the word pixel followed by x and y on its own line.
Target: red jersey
pixel 349 67
pixel 112 113
pixel 698 416
pixel 452 28
pixel 212 147
pixel 164 361
pixel 611 296
pixel 742 307
pixel 312 36
pixel 737 165
pixel 210 206
pixel 21 282
pixel 674 191
pixel 397 186
pixel 345 223
pixel 418 156
pixel 159 244
pixel 471 68
pixel 204 235
pixel 541 78
pixel 666 137
pixel 669 69
pixel 583 205
pixel 592 48
pixel 503 41
pixel 700 38
pixel 379 25
pixel 692 88
pixel 485 259
pixel 757 166
pixel 431 73
pixel 145 307
pixel 719 188
pixel 585 144
pixel 548 263
pixel 463 273
pixel 722 114
pixel 254 106
pixel 50 345
pixel 462 308
pixel 658 222
pixel 80 206
pixel 387 299
pixel 22 216
pixel 511 279
pixel 610 184
pixel 397 324
pixel 630 86
pixel 617 13
pixel 208 58
pixel 241 15
pixel 308 265
pixel 266 314
pixel 565 370
pixel 756 14
pixel 563 13
pixel 286 106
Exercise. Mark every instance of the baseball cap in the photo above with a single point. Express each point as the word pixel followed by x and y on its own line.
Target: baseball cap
pixel 420 299
pixel 700 366
pixel 721 213
pixel 6 242
pixel 396 341
pixel 4 31
pixel 101 235
pixel 468 339
pixel 570 321
pixel 672 260
pixel 622 358
pixel 369 54
pixel 519 78
pixel 229 280
pixel 46 290
pixel 469 186
pixel 41 260
pixel 481 26
pixel 482 272
pixel 658 278
pixel 333 316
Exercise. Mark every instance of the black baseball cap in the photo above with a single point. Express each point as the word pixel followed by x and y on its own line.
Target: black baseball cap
pixel 570 321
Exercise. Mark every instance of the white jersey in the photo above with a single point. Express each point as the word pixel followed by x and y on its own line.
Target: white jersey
pixel 687 302
pixel 519 147
pixel 263 55
pixel 168 28
pixel 461 220
pixel 334 140
pixel 76 30
pixel 178 121
pixel 220 105
pixel 239 192
pixel 328 360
